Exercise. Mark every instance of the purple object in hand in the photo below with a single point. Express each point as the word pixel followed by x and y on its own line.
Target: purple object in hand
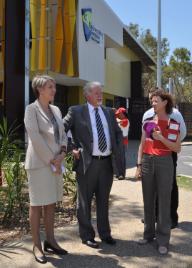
pixel 149 127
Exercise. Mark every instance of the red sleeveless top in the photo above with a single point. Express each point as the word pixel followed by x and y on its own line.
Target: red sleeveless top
pixel 155 147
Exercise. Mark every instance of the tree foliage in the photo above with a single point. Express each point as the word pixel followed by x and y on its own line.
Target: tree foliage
pixel 180 69
pixel 179 66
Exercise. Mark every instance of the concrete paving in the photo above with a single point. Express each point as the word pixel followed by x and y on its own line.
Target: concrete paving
pixel 126 211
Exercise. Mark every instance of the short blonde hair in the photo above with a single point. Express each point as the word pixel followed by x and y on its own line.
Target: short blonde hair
pixel 40 81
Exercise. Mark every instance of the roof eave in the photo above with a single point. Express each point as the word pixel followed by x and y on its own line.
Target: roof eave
pixel 131 42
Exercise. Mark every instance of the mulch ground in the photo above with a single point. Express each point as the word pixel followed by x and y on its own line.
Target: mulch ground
pixel 15 227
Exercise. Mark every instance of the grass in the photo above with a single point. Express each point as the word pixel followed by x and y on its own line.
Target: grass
pixel 184 182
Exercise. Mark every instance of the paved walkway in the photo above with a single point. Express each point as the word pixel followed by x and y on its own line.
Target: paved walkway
pixel 126 210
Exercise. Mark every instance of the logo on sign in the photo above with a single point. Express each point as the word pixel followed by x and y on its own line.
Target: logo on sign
pixel 90 31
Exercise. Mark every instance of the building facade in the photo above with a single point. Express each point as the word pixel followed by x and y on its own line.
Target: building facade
pixel 75 41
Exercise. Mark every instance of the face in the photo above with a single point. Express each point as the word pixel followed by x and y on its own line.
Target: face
pixel 95 96
pixel 48 91
pixel 158 104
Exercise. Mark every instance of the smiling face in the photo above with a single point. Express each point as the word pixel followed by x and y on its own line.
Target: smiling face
pixel 47 92
pixel 95 96
pixel 158 104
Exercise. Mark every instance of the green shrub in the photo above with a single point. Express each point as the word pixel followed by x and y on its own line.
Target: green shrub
pixel 12 172
pixel 70 188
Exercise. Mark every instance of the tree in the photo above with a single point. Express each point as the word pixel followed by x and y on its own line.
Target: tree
pixel 180 70
pixel 179 67
pixel 134 29
pixel 146 38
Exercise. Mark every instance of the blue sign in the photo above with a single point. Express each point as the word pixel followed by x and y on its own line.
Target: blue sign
pixel 90 31
pixel 87 22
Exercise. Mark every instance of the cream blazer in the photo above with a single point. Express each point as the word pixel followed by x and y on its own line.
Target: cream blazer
pixel 42 147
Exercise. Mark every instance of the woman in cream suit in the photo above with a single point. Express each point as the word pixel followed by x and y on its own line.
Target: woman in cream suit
pixel 46 149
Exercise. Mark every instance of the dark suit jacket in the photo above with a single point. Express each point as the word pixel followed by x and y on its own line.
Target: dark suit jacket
pixel 79 122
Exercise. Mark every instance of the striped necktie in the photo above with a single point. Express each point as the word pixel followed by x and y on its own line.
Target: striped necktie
pixel 100 132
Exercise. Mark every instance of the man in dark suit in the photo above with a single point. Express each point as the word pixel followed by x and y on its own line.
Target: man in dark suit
pixel 96 136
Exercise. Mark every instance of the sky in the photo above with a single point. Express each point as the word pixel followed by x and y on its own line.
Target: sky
pixel 176 18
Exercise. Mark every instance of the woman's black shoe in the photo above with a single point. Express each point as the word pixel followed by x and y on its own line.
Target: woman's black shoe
pixel 41 259
pixel 49 248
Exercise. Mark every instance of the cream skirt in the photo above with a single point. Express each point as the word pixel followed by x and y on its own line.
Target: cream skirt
pixel 44 186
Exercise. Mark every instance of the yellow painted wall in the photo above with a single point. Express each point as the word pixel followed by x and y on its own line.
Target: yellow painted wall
pixel 107 96
pixel 118 71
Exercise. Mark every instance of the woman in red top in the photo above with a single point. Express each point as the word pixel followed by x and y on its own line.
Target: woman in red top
pixel 160 136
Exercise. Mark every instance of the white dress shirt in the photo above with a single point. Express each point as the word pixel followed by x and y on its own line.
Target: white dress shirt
pixel 175 115
pixel 96 150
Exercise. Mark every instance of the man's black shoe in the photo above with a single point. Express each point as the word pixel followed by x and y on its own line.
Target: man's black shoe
pixel 91 243
pixel 174 225
pixel 121 177
pixel 109 240
pixel 142 220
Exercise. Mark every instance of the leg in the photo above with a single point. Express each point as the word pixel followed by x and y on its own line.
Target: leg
pixel 34 218
pixel 164 180
pixel 120 161
pixel 49 212
pixel 174 194
pixel 50 245
pixel 86 188
pixel 126 155
pixel 149 196
pixel 102 197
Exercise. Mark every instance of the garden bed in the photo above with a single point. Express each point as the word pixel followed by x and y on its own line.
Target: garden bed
pixel 18 225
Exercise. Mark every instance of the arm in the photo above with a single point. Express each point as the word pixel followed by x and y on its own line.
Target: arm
pixel 149 113
pixel 68 124
pixel 68 120
pixel 173 146
pixel 64 136
pixel 118 132
pixel 140 150
pixel 37 140
pixel 179 118
pixel 57 161
pixel 139 156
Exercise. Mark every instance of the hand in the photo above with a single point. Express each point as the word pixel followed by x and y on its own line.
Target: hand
pixel 157 135
pixel 76 153
pixel 138 173
pixel 57 166
pixel 59 158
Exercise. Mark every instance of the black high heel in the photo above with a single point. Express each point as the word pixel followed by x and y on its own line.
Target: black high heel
pixel 51 249
pixel 42 259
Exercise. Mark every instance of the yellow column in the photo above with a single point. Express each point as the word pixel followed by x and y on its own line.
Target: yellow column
pixel 69 34
pixel 58 39
pixel 34 47
pixel 42 38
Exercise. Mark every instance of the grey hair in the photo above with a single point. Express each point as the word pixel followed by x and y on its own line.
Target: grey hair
pixel 40 81
pixel 88 87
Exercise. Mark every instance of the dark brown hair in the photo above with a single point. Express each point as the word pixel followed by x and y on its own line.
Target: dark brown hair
pixel 153 89
pixel 165 96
